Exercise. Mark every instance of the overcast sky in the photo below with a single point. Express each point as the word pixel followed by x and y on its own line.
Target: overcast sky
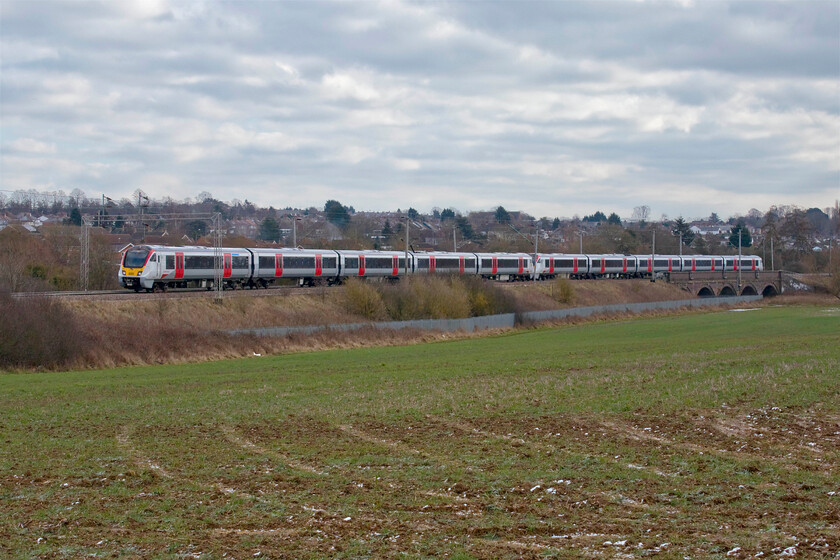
pixel 554 108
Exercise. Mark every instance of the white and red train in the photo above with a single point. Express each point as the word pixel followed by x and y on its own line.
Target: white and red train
pixel 158 267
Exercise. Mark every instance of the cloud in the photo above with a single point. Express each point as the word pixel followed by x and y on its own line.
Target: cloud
pixel 547 107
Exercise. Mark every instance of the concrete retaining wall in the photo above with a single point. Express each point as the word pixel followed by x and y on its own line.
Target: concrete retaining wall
pixel 503 321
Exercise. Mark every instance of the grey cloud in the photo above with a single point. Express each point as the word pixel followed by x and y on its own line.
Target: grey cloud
pixel 548 103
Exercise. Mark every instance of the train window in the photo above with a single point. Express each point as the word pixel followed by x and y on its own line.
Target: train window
pixel 193 262
pixel 447 264
pixel 170 262
pixel 239 262
pixel 660 263
pixel 596 263
pixel 469 263
pixel 351 262
pixel 135 258
pixel 614 263
pixel 486 263
pixel 423 263
pixel 402 263
pixel 507 263
pixel 564 263
pixel 299 262
pixel 267 262
pixel 379 262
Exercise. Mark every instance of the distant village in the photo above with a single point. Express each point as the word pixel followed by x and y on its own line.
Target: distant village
pixel 795 238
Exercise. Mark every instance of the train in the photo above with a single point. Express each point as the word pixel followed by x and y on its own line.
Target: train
pixel 160 267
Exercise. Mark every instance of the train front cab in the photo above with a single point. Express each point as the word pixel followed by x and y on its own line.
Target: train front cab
pixel 135 268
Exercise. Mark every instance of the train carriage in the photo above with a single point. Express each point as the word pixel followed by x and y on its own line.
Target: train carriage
pixel 307 266
pixel 505 266
pixel 158 267
pixel 552 265
pixel 445 263
pixel 616 266
pixel 373 264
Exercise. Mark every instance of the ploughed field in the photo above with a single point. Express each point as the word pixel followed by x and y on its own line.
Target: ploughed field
pixel 704 435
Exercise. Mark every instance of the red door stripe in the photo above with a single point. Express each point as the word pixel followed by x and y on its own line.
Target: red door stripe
pixel 278 265
pixel 228 265
pixel 179 265
pixel 361 265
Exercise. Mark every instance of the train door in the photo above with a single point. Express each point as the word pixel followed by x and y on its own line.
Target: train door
pixel 179 266
pixel 228 260
pixel 319 265
pixel 521 266
pixel 460 264
pixel 431 264
pixel 551 265
pixel 495 265
pixel 395 265
pixel 278 265
pixel 361 265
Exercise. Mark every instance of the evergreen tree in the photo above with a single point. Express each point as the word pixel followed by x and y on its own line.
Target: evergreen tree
pixel 502 215
pixel 336 213
pixel 447 214
pixel 465 227
pixel 555 224
pixel 75 217
pixel 745 237
pixel 196 228
pixel 614 219
pixel 682 228
pixel 269 230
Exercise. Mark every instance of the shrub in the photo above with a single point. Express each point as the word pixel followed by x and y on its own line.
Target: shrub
pixel 488 298
pixel 39 332
pixel 561 291
pixel 362 298
pixel 427 297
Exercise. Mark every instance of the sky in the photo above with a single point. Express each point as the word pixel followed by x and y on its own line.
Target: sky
pixel 554 108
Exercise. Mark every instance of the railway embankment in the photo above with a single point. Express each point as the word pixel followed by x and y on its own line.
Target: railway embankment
pixel 80 334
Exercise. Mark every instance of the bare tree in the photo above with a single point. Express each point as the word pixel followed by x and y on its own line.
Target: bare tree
pixel 641 214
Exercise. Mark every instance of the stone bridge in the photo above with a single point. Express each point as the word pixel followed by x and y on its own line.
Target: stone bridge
pixel 731 283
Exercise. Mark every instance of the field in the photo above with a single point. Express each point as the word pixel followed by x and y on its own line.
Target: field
pixel 712 434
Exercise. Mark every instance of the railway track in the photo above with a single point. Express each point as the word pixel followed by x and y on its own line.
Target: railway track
pixel 113 295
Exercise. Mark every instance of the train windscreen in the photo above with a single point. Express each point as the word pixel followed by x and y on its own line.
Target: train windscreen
pixel 136 258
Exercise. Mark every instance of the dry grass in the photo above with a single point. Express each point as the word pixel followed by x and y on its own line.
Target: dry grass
pixel 85 334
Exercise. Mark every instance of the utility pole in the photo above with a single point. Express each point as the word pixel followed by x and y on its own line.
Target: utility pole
pixel 772 254
pixel 739 260
pixel 295 220
pixel 580 234
pixel 454 241
pixel 652 260
pixel 406 245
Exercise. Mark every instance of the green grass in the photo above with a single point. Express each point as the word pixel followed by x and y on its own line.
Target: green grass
pixel 705 431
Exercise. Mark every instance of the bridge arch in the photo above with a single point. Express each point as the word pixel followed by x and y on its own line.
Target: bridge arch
pixel 748 290
pixel 769 291
pixel 727 291
pixel 706 291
